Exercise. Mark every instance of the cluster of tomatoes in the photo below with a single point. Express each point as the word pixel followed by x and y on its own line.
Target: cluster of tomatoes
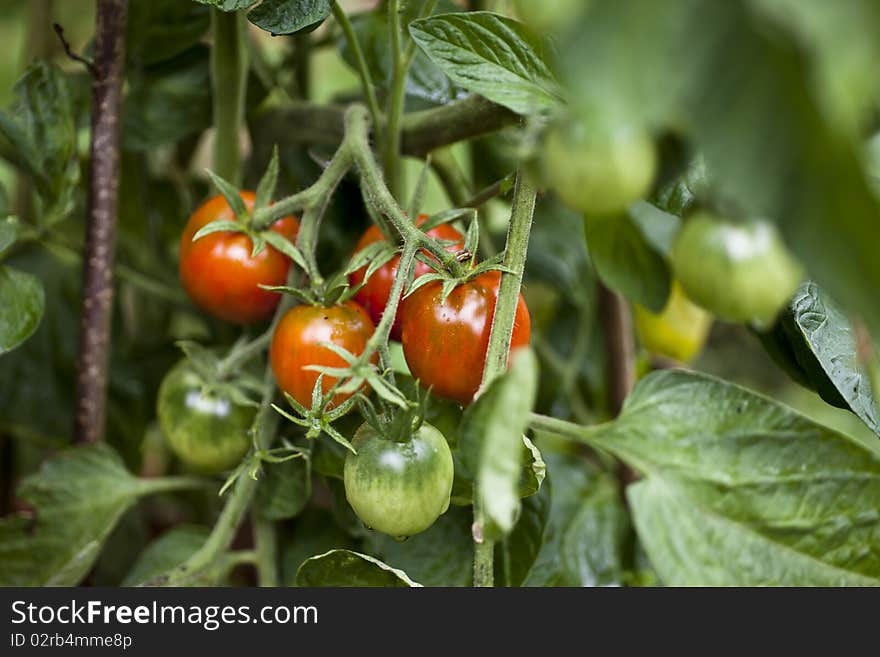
pixel 396 486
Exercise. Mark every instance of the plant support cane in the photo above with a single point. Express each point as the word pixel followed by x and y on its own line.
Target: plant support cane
pixel 94 346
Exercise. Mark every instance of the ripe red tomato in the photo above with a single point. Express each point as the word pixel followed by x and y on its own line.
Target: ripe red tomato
pixel 445 342
pixel 218 272
pixel 297 342
pixel 375 294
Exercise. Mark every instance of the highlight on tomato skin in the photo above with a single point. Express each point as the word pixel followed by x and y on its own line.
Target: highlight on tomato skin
pixel 218 271
pixel 207 431
pixel 445 341
pixel 376 292
pixel 299 341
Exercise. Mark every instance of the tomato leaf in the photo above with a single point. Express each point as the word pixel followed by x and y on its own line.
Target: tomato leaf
pixel 442 555
pixel 627 260
pixel 819 339
pixel 491 55
pixel 167 552
pixel 491 441
pixel 587 531
pixel 77 496
pixel 349 568
pixel 741 490
pixel 515 554
pixel 22 302
pixel 41 128
pixel 228 5
pixel 289 16
pixel 284 489
pixel 158 30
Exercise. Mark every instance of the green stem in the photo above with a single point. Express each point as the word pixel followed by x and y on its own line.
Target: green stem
pixel 243 354
pixel 229 66
pixel 500 335
pixel 361 65
pixel 396 97
pixel 591 435
pixel 515 252
pixel 266 542
pixel 172 484
pixel 379 196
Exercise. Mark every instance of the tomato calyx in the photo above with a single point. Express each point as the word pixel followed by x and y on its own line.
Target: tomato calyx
pixel 398 424
pixel 214 372
pixel 319 419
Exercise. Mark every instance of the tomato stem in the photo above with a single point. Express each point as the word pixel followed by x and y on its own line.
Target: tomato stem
pixel 500 335
pixel 240 355
pixel 392 160
pixel 229 67
pixel 361 66
pixel 266 541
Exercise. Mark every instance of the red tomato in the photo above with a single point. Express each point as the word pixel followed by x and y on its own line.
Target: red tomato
pixel 375 294
pixel 218 272
pixel 445 342
pixel 297 342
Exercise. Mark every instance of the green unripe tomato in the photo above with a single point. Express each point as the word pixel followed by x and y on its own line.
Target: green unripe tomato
pixel 599 172
pixel 399 488
pixel 740 272
pixel 207 432
pixel 679 331
pixel 542 15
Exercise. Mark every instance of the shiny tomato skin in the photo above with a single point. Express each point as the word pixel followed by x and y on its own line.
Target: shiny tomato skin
pixel 218 272
pixel 445 342
pixel 297 343
pixel 375 294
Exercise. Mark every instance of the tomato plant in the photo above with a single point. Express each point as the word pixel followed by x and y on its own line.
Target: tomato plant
pixel 263 280
pixel 445 340
pixel 373 296
pixel 219 271
pixel 399 487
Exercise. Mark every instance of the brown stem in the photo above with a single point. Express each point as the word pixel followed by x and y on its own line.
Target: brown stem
pixel 91 380
pixel 422 132
pixel 616 322
pixel 619 347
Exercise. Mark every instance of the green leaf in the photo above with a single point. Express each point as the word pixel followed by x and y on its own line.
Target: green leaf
pixel 348 568
pixel 439 556
pixel 284 489
pixel 228 5
pixel 168 101
pixel 41 128
pixel 491 441
pixel 157 30
pixel 314 532
pixel 22 301
pixel 77 496
pixel 167 552
pixel 819 338
pixel 587 531
pixel 425 81
pixel 627 261
pixel 742 490
pixel 491 55
pixel 515 555
pixel 9 228
pixel 289 16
